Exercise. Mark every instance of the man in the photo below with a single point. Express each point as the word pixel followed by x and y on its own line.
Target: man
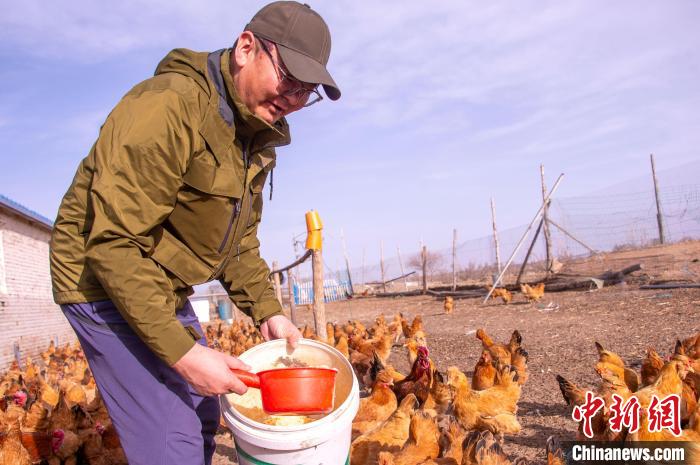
pixel 170 196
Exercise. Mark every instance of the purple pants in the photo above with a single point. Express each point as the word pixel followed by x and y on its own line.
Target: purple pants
pixel 160 419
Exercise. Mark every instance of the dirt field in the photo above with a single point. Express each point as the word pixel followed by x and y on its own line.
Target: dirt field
pixel 558 333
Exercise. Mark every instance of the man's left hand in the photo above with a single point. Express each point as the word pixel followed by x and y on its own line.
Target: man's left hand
pixel 279 327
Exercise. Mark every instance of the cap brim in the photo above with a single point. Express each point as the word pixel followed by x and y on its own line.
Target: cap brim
pixel 307 69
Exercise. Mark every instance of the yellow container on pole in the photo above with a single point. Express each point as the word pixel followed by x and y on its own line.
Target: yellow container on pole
pixel 313 229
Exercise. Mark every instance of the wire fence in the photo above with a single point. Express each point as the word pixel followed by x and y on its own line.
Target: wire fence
pixel 602 222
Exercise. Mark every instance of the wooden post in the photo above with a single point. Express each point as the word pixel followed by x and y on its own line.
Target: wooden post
pixel 424 262
pixel 659 218
pixel 347 261
pixel 319 301
pixel 495 235
pixel 381 264
pixel 290 291
pixel 276 280
pixel 403 273
pixel 454 259
pixel 529 251
pixel 545 217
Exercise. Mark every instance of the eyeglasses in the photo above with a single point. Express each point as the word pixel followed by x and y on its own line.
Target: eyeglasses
pixel 296 92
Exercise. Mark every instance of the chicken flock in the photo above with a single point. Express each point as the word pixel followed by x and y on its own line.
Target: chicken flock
pixel 51 412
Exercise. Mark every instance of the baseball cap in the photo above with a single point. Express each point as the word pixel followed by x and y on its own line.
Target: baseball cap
pixel 302 38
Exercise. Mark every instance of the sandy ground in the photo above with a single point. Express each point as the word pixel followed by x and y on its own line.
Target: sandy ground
pixel 558 333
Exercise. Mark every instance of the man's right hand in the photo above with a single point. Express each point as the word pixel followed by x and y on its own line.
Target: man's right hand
pixel 209 371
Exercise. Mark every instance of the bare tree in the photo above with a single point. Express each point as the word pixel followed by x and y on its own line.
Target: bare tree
pixel 433 262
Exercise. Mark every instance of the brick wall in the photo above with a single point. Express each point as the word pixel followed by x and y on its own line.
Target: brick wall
pixel 28 315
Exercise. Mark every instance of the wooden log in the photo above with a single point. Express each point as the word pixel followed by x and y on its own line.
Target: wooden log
pixel 670 286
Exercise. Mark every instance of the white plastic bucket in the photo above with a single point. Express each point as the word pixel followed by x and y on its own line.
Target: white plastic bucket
pixel 322 442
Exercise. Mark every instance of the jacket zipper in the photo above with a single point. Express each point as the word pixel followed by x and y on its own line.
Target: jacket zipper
pixel 234 213
pixel 246 162
pixel 236 217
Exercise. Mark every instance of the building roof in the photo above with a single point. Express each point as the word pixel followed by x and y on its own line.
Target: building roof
pixel 25 212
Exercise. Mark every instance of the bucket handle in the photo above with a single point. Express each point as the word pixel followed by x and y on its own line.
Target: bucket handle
pixel 246 377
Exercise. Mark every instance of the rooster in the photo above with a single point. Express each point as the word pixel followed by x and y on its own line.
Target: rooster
pixel 418 382
pixel 532 293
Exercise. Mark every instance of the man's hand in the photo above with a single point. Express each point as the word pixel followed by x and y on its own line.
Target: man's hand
pixel 279 327
pixel 208 371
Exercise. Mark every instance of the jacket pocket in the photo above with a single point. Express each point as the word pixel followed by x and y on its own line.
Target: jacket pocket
pixel 179 260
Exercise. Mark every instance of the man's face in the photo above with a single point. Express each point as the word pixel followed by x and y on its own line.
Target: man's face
pixel 260 81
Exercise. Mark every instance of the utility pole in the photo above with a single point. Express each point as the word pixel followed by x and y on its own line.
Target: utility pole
pixel 659 218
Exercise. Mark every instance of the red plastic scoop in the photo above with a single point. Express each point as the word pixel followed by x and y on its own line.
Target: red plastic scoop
pixel 293 391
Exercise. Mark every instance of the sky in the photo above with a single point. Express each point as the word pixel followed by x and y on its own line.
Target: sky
pixel 445 105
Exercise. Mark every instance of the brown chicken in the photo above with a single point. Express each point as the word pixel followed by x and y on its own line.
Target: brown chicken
pixel 448 305
pixel 451 439
pixel 651 367
pixel 440 396
pixel 484 372
pixel 555 454
pixel 612 361
pixel 416 325
pixel 669 382
pixel 501 353
pixel 505 295
pixel 575 396
pixel 377 407
pixel 532 293
pixel 518 361
pixel 492 409
pixel 390 436
pixel 418 382
pixel 12 452
pixel 482 448
pixel 422 444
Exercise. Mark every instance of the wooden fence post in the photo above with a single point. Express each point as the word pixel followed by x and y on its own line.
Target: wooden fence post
pixel 276 280
pixel 381 264
pixel 454 259
pixel 424 264
pixel 495 235
pixel 319 303
pixel 659 218
pixel 292 303
pixel 545 224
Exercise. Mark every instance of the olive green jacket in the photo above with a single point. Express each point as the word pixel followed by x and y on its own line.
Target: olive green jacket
pixel 170 196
